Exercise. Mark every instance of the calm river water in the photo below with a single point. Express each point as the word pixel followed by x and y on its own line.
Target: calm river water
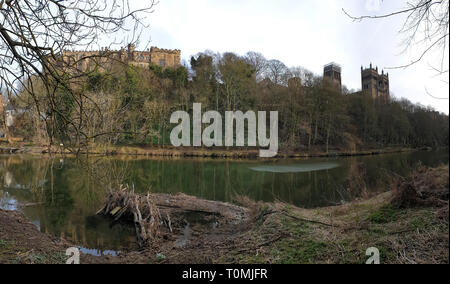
pixel 66 193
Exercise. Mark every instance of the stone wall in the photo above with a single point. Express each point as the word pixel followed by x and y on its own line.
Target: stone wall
pixel 165 57
pixel 104 59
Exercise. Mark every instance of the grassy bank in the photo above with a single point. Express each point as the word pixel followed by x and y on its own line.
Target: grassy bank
pixel 409 236
pixel 409 224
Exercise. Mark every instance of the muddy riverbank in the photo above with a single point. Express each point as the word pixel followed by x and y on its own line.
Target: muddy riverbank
pixel 414 231
pixel 190 152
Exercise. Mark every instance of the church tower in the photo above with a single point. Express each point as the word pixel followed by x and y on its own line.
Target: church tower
pixel 332 76
pixel 374 84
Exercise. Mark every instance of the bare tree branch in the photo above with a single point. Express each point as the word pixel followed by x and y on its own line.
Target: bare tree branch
pixel 34 34
pixel 427 24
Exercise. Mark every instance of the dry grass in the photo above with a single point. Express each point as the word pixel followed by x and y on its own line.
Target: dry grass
pixel 425 187
pixel 342 234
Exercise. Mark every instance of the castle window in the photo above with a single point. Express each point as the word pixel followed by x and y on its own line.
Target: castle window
pixel 162 62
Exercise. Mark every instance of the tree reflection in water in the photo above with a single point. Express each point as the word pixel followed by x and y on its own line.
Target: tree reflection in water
pixel 65 193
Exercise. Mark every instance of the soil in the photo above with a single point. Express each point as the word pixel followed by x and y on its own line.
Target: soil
pixel 271 233
pixel 21 242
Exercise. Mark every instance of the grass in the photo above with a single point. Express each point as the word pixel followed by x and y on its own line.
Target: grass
pixel 13 253
pixel 385 214
pixel 41 258
pixel 414 235
pixel 422 221
pixel 300 251
pixel 5 249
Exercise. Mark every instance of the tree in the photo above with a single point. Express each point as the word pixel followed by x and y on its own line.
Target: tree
pixel 258 63
pixel 364 116
pixel 277 72
pixel 33 36
pixel 205 80
pixel 237 78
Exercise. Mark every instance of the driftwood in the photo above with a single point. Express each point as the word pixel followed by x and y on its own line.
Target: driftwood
pixel 181 202
pixel 126 204
pixel 152 213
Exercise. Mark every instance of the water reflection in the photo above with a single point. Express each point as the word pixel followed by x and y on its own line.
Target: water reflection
pixel 297 168
pixel 96 252
pixel 67 193
pixel 7 202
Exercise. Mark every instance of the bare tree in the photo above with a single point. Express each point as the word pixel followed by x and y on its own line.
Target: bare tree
pixel 258 63
pixel 277 72
pixel 35 33
pixel 426 26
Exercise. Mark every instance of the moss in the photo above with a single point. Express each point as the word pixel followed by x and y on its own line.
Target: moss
pixel 300 251
pixel 385 214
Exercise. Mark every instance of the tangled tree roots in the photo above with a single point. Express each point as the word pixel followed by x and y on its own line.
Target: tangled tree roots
pixel 126 204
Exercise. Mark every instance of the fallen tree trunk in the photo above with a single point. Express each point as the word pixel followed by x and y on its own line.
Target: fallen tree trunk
pixel 152 213
pixel 229 212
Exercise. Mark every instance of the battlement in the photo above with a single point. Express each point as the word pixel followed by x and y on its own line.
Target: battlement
pixel 169 51
pixel 104 57
pixel 332 76
pixel 333 66
pixel 373 71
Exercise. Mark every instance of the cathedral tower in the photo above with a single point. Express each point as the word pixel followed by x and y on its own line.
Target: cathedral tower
pixel 374 84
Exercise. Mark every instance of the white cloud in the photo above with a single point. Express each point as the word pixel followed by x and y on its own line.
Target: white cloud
pixel 308 33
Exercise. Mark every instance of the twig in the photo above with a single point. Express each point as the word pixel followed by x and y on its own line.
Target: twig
pixel 306 220
pixel 264 244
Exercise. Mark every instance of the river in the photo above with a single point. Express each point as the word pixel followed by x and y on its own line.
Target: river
pixel 61 196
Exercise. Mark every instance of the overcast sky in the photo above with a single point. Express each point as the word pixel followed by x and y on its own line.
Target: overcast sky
pixel 307 33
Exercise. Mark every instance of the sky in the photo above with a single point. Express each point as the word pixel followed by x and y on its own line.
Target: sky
pixel 307 33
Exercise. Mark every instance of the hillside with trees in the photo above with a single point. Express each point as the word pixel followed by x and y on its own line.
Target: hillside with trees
pixel 132 106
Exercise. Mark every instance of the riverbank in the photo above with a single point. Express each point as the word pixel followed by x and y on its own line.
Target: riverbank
pixel 191 152
pixel 409 224
pixel 21 242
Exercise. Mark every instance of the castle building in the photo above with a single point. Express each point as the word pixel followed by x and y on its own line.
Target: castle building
pixel 332 76
pixel 374 84
pixel 103 59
